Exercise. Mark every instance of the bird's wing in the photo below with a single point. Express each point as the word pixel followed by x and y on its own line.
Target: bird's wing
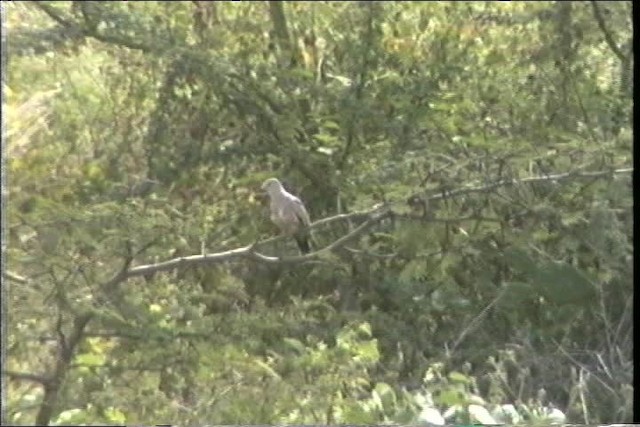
pixel 300 211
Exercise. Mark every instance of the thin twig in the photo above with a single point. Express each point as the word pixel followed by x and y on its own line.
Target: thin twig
pixel 476 321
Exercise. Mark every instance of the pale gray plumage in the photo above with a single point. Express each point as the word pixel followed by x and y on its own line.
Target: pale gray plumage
pixel 288 213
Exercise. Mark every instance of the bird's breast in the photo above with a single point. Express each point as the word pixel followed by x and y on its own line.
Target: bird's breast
pixel 284 219
pixel 280 216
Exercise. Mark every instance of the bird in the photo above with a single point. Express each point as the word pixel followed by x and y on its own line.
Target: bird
pixel 289 214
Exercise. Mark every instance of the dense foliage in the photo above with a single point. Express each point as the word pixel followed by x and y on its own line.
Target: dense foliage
pixel 477 155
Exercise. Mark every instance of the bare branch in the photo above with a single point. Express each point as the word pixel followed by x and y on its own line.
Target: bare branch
pixel 475 322
pixel 360 215
pixel 582 366
pixel 188 260
pixel 250 253
pixel 205 334
pixel 371 217
pixel 422 218
pixel 118 366
pixel 531 180
pixel 374 218
pixel 15 277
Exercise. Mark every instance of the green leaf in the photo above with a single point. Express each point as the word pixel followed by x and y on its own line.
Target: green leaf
pixel 562 283
pixel 451 396
pixel 368 352
pixel 115 416
pixel 268 369
pixel 458 377
pixel 431 416
pixel 330 124
pixel 365 329
pixel 69 417
pixel 295 344
pixel 90 359
pixel 387 395
pixel 516 293
pixel 556 281
pixel 518 259
pixel 480 414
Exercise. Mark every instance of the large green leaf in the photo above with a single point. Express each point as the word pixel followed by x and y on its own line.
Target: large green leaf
pixel 556 281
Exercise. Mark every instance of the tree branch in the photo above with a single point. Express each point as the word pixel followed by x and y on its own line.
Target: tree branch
pixel 15 277
pixel 68 344
pixel 90 30
pixel 249 251
pixel 53 14
pixel 66 351
pixel 607 34
pixel 371 217
pixel 511 182
pixel 25 376
pixel 280 28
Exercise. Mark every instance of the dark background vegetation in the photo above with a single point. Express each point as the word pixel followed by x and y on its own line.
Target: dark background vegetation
pixel 434 135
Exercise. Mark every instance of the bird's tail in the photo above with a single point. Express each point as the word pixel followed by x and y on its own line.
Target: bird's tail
pixel 303 244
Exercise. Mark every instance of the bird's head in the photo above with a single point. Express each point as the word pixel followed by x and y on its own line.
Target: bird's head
pixel 271 185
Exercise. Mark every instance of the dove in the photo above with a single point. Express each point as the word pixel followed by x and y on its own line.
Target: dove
pixel 288 213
